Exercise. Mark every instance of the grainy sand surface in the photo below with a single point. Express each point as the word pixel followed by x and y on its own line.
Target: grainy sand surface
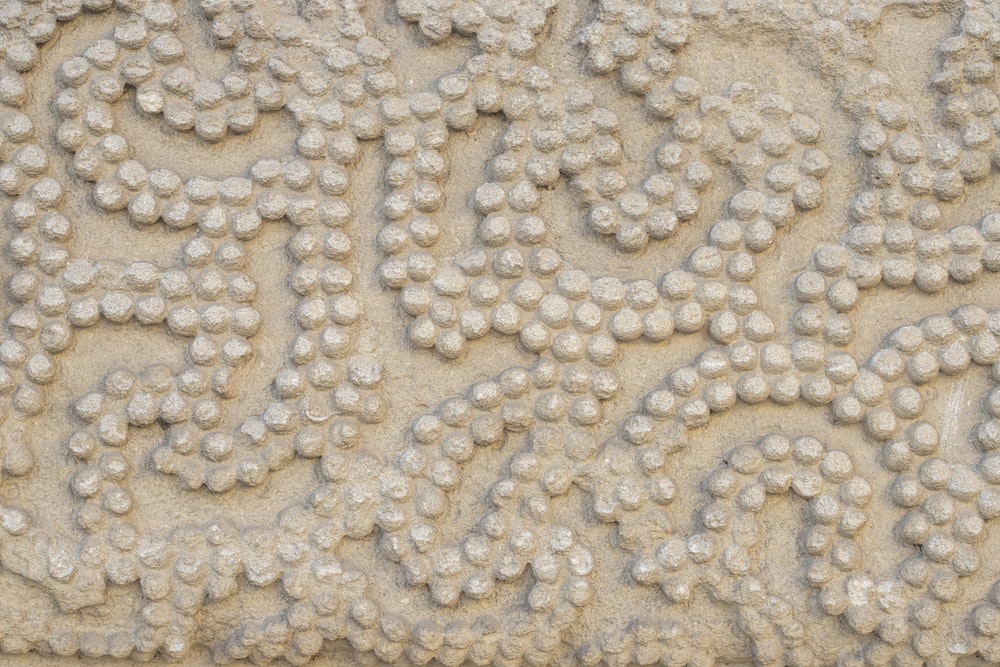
pixel 499 332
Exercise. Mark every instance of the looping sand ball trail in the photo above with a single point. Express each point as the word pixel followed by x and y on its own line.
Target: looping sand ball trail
pixel 500 332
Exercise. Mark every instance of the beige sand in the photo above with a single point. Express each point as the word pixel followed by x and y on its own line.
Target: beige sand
pixel 500 332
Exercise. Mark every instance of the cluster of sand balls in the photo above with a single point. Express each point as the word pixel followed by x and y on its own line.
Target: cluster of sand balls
pixel 759 138
pixel 941 508
pixel 508 27
pixel 227 215
pixel 455 303
pixel 331 390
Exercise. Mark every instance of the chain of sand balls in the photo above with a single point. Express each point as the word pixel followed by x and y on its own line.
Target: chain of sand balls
pixel 174 585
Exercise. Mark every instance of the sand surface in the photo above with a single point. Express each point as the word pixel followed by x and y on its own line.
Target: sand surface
pixel 511 332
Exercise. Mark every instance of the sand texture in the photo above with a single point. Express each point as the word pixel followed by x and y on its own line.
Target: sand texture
pixel 500 332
